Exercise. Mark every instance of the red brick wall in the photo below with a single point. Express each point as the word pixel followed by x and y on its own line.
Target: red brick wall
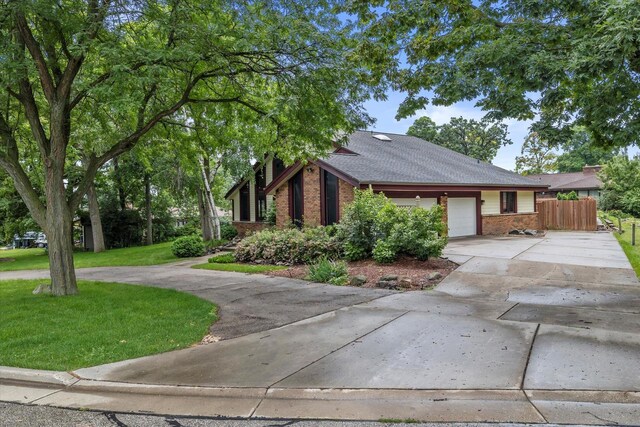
pixel 244 228
pixel 503 224
pixel 311 193
pixel 282 206
pixel 345 195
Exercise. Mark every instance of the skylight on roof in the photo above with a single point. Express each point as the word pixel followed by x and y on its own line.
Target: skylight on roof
pixel 382 137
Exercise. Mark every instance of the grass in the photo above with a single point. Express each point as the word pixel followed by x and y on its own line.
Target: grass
pixel 240 268
pixel 227 258
pixel 632 252
pixel 106 322
pixel 36 259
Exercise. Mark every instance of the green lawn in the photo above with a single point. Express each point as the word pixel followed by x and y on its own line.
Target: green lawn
pixel 240 268
pixel 36 259
pixel 105 323
pixel 633 252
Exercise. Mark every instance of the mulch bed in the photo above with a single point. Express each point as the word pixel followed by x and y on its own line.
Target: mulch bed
pixel 405 267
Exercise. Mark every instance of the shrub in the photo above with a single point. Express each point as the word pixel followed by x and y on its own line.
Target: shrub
pixel 289 246
pixel 222 259
pixel 384 252
pixel 375 226
pixel 271 214
pixel 227 231
pixel 572 195
pixel 187 246
pixel 327 271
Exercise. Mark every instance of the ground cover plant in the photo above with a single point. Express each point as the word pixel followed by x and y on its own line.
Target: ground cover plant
pixel 624 238
pixel 328 271
pixel 37 259
pixel 105 323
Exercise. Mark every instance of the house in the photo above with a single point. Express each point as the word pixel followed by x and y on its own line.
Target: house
pixel 478 198
pixel 585 183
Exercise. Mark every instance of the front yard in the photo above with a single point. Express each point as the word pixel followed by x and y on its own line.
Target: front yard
pixel 106 322
pixel 632 252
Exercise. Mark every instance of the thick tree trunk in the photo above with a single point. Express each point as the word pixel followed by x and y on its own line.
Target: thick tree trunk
pixel 147 207
pixel 209 202
pixel 96 222
pixel 205 223
pixel 60 243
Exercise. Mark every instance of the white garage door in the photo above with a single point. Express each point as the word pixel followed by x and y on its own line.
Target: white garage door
pixel 426 203
pixel 461 213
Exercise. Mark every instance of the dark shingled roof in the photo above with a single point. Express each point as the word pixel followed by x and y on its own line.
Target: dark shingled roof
pixel 569 181
pixel 411 160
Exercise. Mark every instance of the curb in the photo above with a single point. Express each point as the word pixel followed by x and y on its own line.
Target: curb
pixel 61 389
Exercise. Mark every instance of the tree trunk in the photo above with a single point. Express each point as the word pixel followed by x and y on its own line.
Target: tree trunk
pixel 209 202
pixel 96 222
pixel 205 223
pixel 121 195
pixel 60 244
pixel 147 207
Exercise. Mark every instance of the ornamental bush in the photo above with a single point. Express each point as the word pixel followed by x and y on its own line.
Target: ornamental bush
pixel 187 246
pixel 289 246
pixel 327 271
pixel 227 231
pixel 374 226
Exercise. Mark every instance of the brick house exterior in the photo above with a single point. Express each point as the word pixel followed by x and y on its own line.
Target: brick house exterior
pixel 478 198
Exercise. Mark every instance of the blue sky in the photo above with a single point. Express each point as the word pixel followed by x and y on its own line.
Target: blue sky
pixel 385 111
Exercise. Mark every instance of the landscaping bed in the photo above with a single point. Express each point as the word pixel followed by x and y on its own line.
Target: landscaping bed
pixel 420 274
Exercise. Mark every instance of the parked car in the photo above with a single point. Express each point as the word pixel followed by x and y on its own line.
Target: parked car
pixel 41 241
pixel 30 239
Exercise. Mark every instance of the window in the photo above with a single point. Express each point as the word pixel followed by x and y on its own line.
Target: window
pixel 261 196
pixel 245 203
pixel 296 199
pixel 278 167
pixel 508 202
pixel 330 183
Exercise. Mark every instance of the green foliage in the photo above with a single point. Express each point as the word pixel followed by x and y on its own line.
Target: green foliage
pixel 537 156
pixel 580 150
pixel 271 214
pixel 325 270
pixel 556 61
pixel 359 223
pixel 121 228
pixel 239 268
pixel 374 226
pixel 106 323
pixel 227 231
pixel 621 185
pixel 385 252
pixel 187 246
pixel 572 195
pixel 478 139
pixel 223 259
pixel 289 246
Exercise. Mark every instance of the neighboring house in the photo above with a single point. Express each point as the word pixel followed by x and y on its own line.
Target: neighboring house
pixel 585 183
pixel 478 198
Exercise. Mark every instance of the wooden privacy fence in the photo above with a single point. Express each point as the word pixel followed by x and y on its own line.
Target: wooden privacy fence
pixel 567 214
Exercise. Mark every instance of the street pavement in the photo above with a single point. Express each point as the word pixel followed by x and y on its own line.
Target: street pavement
pixel 528 330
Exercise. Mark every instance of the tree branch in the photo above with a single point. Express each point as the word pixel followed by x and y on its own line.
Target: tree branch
pixel 34 49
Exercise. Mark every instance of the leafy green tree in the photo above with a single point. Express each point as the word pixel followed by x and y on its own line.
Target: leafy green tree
pixel 478 139
pixel 537 156
pixel 621 185
pixel 561 62
pixel 76 68
pixel 580 151
pixel 425 128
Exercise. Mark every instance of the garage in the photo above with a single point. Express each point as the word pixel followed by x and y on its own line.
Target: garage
pixel 462 216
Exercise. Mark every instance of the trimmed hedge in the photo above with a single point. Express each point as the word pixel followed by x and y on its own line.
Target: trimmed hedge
pixel 188 246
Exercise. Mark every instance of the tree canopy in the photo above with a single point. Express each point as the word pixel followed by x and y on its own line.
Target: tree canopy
pixel 580 151
pixel 478 139
pixel 90 79
pixel 560 62
pixel 537 156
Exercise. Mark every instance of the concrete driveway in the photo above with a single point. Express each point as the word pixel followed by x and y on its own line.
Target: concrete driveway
pixel 527 329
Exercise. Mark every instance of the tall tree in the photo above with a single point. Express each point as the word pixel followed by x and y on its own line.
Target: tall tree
pixel 580 151
pixel 134 64
pixel 621 185
pixel 561 62
pixel 478 139
pixel 537 156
